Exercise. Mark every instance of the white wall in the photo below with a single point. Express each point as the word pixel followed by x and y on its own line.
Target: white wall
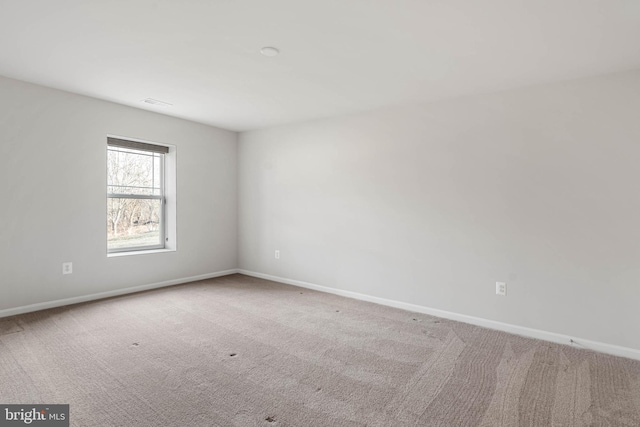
pixel 53 205
pixel 433 204
pixel 427 204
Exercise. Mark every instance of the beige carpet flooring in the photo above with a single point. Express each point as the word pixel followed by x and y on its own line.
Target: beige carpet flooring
pixel 240 351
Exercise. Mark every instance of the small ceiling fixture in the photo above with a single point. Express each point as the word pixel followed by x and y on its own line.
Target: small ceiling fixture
pixel 269 51
pixel 156 102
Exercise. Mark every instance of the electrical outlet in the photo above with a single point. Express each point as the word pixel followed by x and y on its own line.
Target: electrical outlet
pixel 501 289
pixel 67 267
pixel 277 254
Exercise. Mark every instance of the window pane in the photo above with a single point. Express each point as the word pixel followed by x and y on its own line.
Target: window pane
pixel 134 172
pixel 133 222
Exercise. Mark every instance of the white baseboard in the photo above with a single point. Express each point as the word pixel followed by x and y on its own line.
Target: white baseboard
pixel 491 324
pixel 91 297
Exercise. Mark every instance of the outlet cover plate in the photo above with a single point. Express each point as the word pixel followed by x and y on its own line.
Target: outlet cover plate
pixel 67 267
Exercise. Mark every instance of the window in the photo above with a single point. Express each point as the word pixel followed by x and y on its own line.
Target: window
pixel 136 204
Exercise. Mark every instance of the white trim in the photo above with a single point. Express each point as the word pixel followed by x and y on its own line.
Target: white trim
pixel 478 321
pixel 84 298
pixel 142 252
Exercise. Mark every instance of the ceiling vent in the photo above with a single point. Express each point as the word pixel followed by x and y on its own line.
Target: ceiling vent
pixel 156 102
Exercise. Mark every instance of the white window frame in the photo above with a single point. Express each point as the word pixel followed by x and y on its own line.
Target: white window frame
pixel 113 143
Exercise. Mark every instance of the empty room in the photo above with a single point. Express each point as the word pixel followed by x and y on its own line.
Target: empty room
pixel 320 213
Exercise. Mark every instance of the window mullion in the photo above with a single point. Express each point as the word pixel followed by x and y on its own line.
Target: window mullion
pixel 133 196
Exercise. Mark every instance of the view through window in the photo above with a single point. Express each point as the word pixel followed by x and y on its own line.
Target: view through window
pixel 135 196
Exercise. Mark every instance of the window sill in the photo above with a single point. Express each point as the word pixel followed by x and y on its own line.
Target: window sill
pixel 128 253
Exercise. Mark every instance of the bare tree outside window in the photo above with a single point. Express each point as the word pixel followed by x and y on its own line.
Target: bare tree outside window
pixel 134 199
